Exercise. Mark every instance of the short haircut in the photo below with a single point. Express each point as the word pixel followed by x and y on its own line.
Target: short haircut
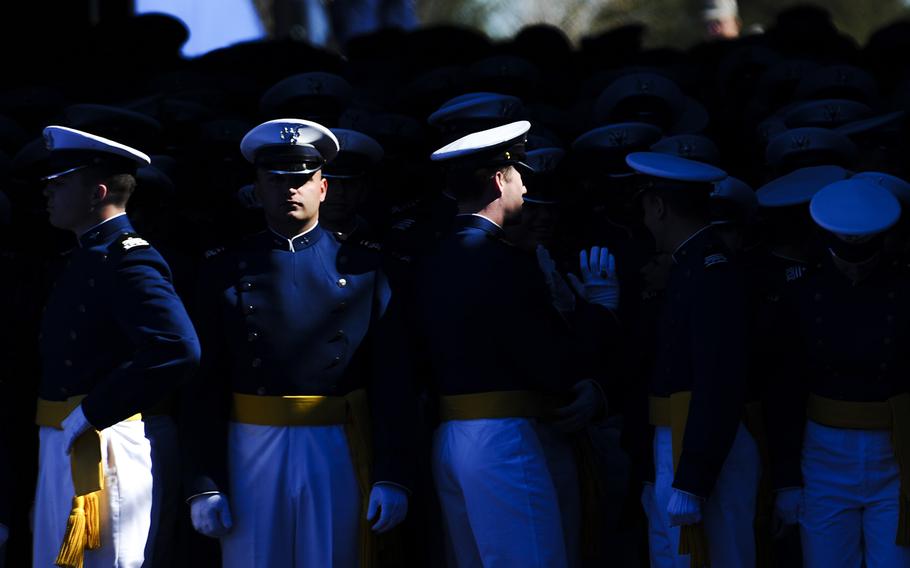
pixel 468 185
pixel 120 184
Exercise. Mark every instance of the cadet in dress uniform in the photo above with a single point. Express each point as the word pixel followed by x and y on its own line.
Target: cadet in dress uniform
pixel 115 341
pixel 304 383
pixel 499 357
pixel 706 463
pixel 841 440
pixel 348 174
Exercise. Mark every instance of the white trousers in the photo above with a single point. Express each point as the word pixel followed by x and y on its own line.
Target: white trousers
pixel 126 501
pixel 294 498
pixel 557 447
pixel 850 503
pixel 728 513
pixel 499 504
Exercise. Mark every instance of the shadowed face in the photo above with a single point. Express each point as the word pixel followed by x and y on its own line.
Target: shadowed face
pixel 69 201
pixel 513 190
pixel 290 200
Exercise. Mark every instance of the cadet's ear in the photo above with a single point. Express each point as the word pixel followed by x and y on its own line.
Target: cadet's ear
pixel 499 180
pixel 99 193
pixel 660 205
pixel 324 187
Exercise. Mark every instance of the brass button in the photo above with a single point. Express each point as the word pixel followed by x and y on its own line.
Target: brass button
pixel 246 286
pixel 256 363
pixel 342 282
pixel 248 309
pixel 252 336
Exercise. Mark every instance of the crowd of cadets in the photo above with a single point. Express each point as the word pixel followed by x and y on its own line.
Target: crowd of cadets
pixel 776 307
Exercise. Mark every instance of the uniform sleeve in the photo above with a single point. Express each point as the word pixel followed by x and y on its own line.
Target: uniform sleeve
pixel 784 402
pixel 392 392
pixel 539 341
pixel 205 400
pixel 718 347
pixel 148 312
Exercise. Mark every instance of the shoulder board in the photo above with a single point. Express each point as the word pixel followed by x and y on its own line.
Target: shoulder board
pixel 794 272
pixel 403 224
pixel 372 245
pixel 212 252
pixel 714 259
pixel 129 242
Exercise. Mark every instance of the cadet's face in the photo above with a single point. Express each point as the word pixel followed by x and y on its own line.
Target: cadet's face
pixel 69 201
pixel 290 199
pixel 513 190
pixel 652 213
pixel 343 199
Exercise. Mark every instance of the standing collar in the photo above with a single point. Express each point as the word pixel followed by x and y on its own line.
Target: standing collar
pixel 300 242
pixel 476 221
pixel 680 250
pixel 117 224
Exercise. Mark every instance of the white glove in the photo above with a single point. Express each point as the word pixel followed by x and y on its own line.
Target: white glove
pixel 391 502
pixel 684 508
pixel 588 402
pixel 73 426
pixel 560 294
pixel 787 504
pixel 211 514
pixel 4 535
pixel 599 283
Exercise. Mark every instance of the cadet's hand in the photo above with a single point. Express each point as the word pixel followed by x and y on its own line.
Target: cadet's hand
pixel 211 515
pixel 599 283
pixel 73 426
pixel 787 504
pixel 587 404
pixel 684 508
pixel 391 503
pixel 4 534
pixel 560 294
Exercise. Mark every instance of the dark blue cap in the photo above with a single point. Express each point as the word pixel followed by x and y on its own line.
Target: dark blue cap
pixel 855 208
pixel 674 168
pixel 898 187
pixel 798 187
pixel 689 146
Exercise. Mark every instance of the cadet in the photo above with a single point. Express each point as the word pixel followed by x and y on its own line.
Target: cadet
pixel 304 384
pixel 841 437
pixel 706 463
pixel 351 183
pixel 115 341
pixel 499 355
